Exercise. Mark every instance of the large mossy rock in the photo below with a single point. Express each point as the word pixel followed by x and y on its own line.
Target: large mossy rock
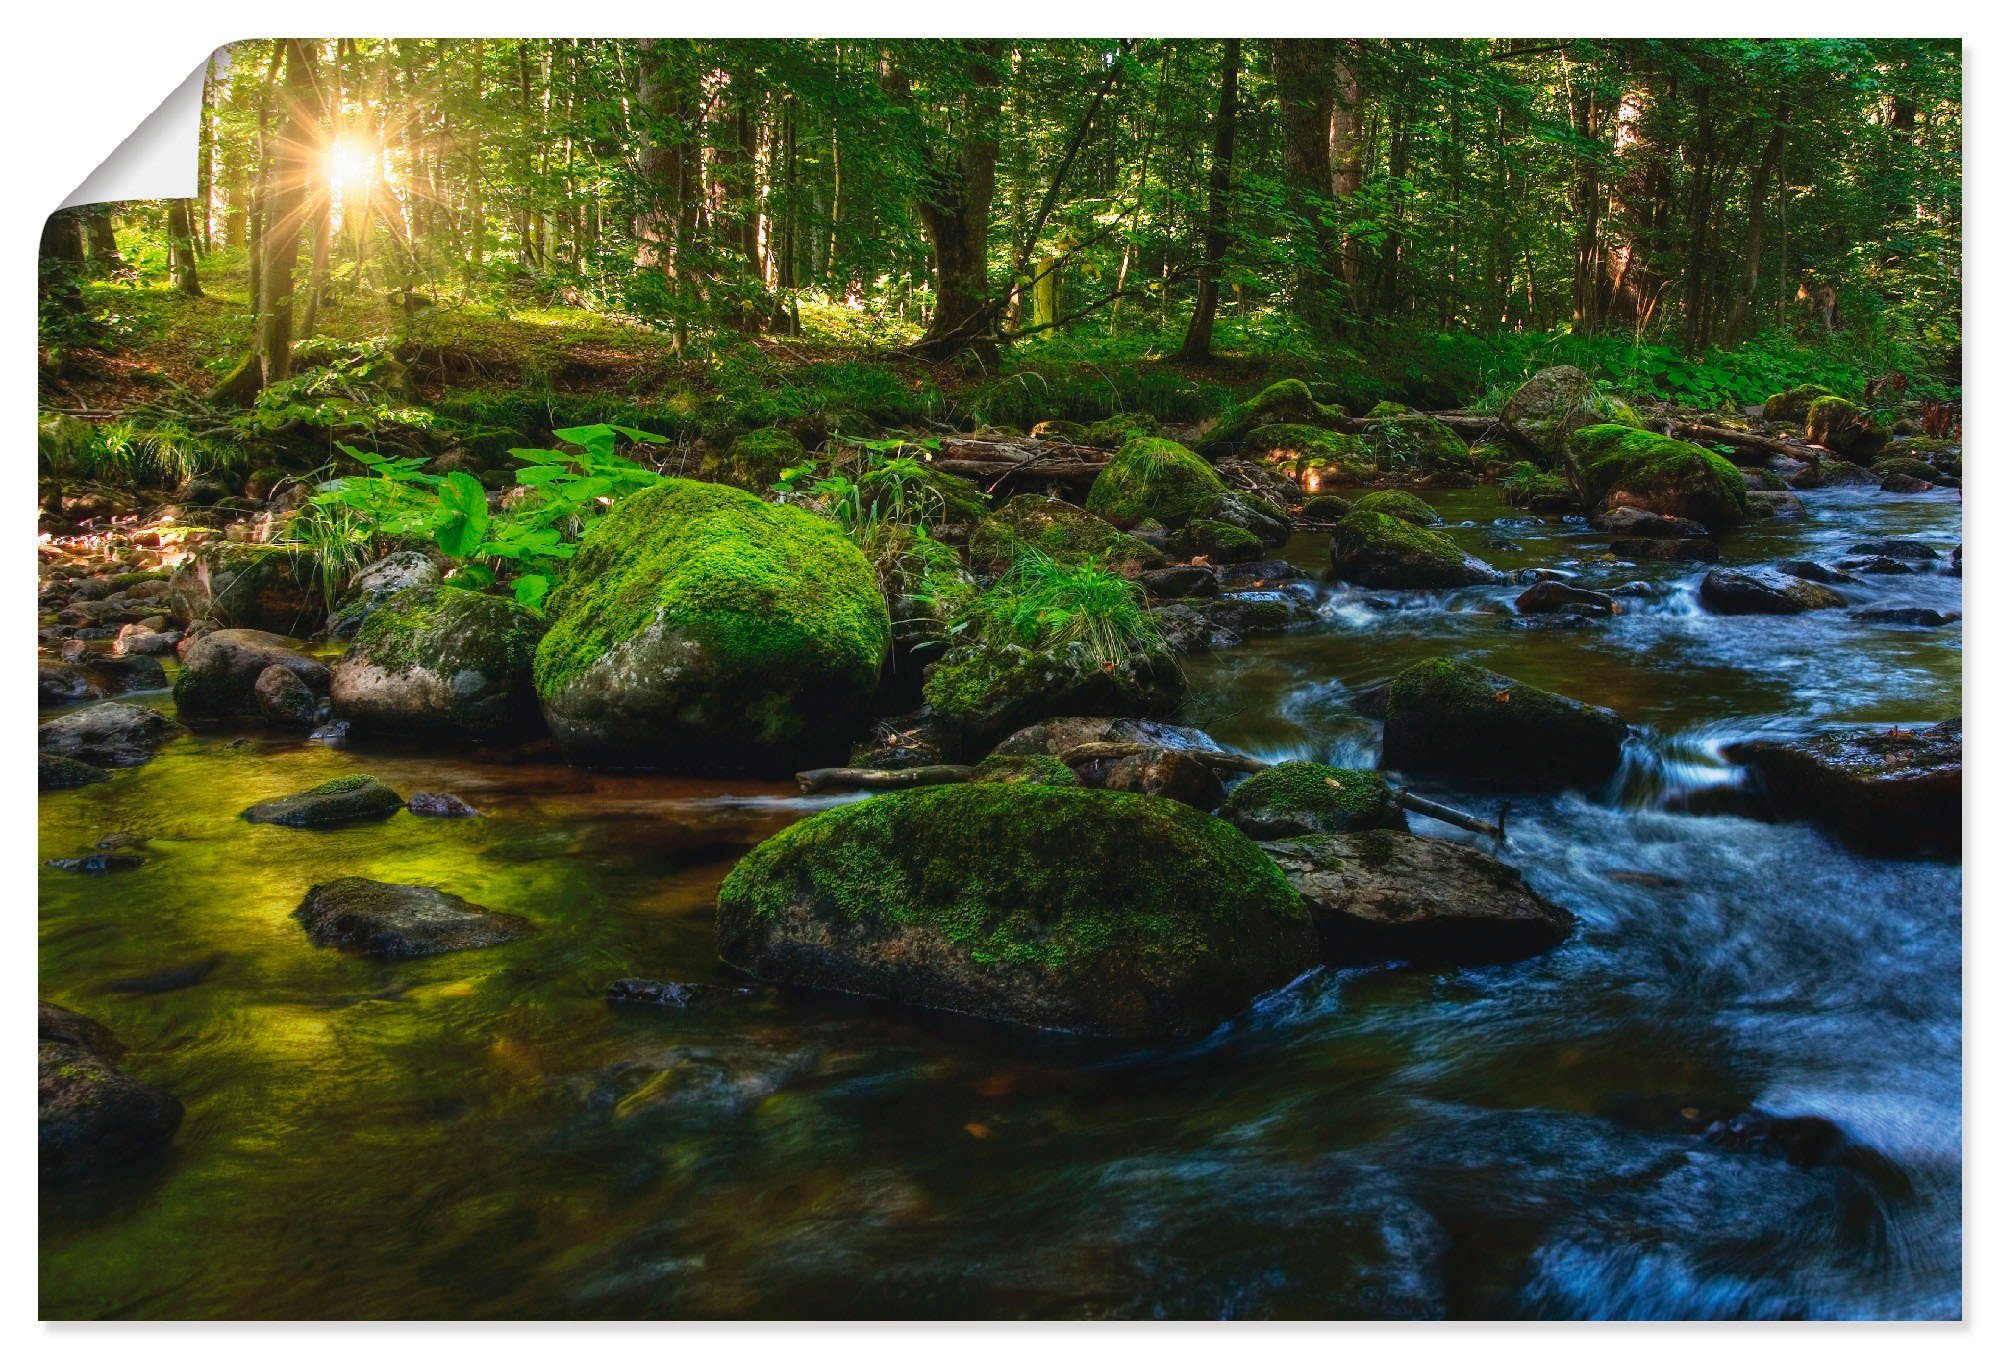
pixel 219 672
pixel 1620 467
pixel 1382 895
pixel 400 920
pixel 1289 402
pixel 1058 529
pixel 1400 438
pixel 1060 908
pixel 1555 403
pixel 1448 718
pixel 269 586
pixel 1895 791
pixel 910 492
pixel 1317 457
pixel 701 629
pixel 1154 479
pixel 442 663
pixel 1845 428
pixel 987 689
pixel 1791 405
pixel 1400 505
pixel 1384 552
pixel 377 583
pixel 1304 797
pixel 753 461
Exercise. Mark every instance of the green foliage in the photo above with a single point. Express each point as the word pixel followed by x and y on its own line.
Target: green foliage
pixel 1079 610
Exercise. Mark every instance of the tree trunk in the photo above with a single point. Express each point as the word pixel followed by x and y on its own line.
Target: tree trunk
pixel 1215 241
pixel 100 240
pixel 284 209
pixel 1306 101
pixel 953 210
pixel 1753 239
pixel 180 247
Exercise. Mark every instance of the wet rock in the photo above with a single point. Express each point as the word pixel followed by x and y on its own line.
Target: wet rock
pixel 91 1115
pixel 1815 572
pixel 1259 575
pixel 1381 895
pixel 58 684
pixel 1184 631
pixel 1448 718
pixel 1062 736
pixel 1895 791
pixel 110 735
pixel 1775 505
pixel 667 995
pixel 441 663
pixel 1667 549
pixel 337 802
pixel 1058 908
pixel 1549 596
pixel 98 864
pixel 1554 404
pixel 1628 522
pixel 1763 590
pixel 220 670
pixel 1180 582
pixel 1899 483
pixel 400 920
pixel 1831 472
pixel 1175 774
pixel 1304 797
pixel 374 584
pixel 266 586
pixel 1618 466
pixel 1381 552
pixel 284 699
pixel 1878 566
pixel 1909 618
pixel 440 805
pixel 1898 549
pixel 55 773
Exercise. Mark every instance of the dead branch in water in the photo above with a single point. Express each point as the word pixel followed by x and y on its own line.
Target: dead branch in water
pixel 917 776
pixel 1451 816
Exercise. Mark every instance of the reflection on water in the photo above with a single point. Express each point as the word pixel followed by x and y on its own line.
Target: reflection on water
pixel 480 1135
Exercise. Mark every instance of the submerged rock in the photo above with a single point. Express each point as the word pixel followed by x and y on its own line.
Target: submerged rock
pixel 1303 797
pixel 1552 596
pixel 337 802
pixel 1762 590
pixel 1897 791
pixel 1381 552
pixel 91 1115
pixel 1059 908
pixel 440 805
pixel 56 773
pixel 667 995
pixel 444 664
pixel 220 671
pixel 109 735
pixel 1449 718
pixel 400 920
pixel 1382 895
pixel 701 629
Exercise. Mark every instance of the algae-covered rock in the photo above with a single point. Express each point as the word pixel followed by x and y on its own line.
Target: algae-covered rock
pixel 219 672
pixel 699 628
pixel 1555 403
pixel 1376 550
pixel 1845 428
pixel 1914 468
pixel 337 802
pixel 1154 479
pixel 1449 718
pixel 442 663
pixel 1060 908
pixel 1289 402
pixel 1381 895
pixel 274 587
pixel 1058 529
pixel 1618 467
pixel 400 920
pixel 1304 797
pixel 59 773
pixel 753 461
pixel 89 1114
pixel 1790 406
pixel 1401 505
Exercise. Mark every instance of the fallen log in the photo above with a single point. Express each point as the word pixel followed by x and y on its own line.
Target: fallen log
pixel 917 776
pixel 1117 750
pixel 1471 428
pixel 1021 450
pixel 1081 472
pixel 1736 438
pixel 1451 816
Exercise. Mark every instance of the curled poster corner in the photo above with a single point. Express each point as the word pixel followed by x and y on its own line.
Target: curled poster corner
pixel 158 158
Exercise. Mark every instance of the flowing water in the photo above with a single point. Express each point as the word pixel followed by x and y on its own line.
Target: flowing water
pixel 481 1135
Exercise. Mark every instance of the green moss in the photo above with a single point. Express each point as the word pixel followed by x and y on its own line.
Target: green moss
pixel 1671 476
pixel 753 461
pixel 1325 509
pixel 1908 467
pixel 1791 405
pixel 1154 479
pixel 1300 445
pixel 1365 540
pixel 774 586
pixel 1217 541
pixel 907 489
pixel 446 629
pixel 1289 402
pixel 1057 529
pixel 1401 505
pixel 1304 796
pixel 1043 769
pixel 346 783
pixel 1402 440
pixel 1447 716
pixel 1021 874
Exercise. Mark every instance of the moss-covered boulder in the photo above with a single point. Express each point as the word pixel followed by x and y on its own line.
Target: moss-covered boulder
pixel 753 461
pixel 989 688
pixel 1059 908
pixel 1154 479
pixel 701 629
pixel 1845 428
pixel 1289 402
pixel 1043 769
pixel 1400 505
pixel 1323 511
pixel 1915 468
pixel 1554 404
pixel 1058 529
pixel 375 584
pixel 220 669
pixel 910 491
pixel 1304 797
pixel 1318 457
pixel 1791 405
pixel 1215 542
pixel 1265 520
pixel 342 801
pixel 1448 718
pixel 442 663
pixel 1617 467
pixel 273 587
pixel 1399 438
pixel 1378 550
pixel 1109 432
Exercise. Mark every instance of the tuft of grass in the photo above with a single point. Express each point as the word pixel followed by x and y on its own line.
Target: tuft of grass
pixel 1047 605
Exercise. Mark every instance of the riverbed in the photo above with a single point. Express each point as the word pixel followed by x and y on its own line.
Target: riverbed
pixel 480 1135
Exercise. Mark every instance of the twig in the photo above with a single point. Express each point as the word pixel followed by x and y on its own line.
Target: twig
pixel 1451 816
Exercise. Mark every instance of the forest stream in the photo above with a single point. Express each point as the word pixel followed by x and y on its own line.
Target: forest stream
pixel 482 1135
